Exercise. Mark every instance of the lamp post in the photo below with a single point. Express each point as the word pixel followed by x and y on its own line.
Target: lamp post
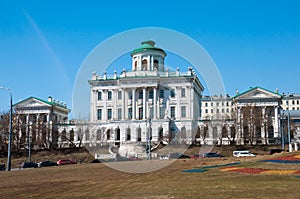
pixel 289 132
pixel 10 131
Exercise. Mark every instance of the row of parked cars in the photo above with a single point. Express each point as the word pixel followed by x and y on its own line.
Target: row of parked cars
pixel 46 163
pixel 183 156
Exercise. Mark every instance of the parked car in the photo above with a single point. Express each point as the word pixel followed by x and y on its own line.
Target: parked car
pixel 178 156
pixel 29 165
pixel 164 157
pixel 65 162
pixel 242 154
pixel 272 151
pixel 212 155
pixel 96 161
pixel 2 167
pixel 47 164
pixel 196 156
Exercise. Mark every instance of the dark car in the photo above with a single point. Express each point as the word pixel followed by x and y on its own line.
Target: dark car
pixel 47 164
pixel 272 151
pixel 2 167
pixel 29 165
pixel 96 161
pixel 212 155
pixel 65 162
pixel 178 156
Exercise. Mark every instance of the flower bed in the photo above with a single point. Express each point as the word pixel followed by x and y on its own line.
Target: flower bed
pixel 260 171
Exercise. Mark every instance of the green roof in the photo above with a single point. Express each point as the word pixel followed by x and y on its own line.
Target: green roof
pixel 45 101
pixel 146 47
pixel 254 88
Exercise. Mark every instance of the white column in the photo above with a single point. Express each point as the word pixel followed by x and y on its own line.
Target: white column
pixel 144 103
pixel 123 104
pixel 263 125
pixel 133 104
pixel 178 111
pixel 276 126
pixel 115 98
pixel 38 131
pixel 104 110
pixel 93 105
pixel 154 103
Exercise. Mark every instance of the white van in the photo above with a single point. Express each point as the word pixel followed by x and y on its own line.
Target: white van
pixel 242 154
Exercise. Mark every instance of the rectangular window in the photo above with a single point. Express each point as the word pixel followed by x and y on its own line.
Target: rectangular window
pixel 151 95
pixel 206 104
pixel 287 102
pixel 119 113
pixel 206 111
pixel 140 94
pixel 129 113
pixel 119 95
pixel 99 114
pixel 217 104
pixel 217 110
pixel 183 92
pixel 161 113
pixel 211 104
pixel 183 111
pixel 212 111
pixel 109 114
pixel 109 95
pixel 130 95
pixel 151 113
pixel 140 113
pixel 172 93
pixel 293 102
pixel 99 95
pixel 172 112
pixel 161 93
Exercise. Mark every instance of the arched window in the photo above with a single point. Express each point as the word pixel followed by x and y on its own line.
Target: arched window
pixel 72 135
pixel 155 64
pixel 160 133
pixel 139 134
pixel 118 134
pixel 224 132
pixel 98 134
pixel 108 134
pixel 128 134
pixel 135 65
pixel 144 64
pixel 64 135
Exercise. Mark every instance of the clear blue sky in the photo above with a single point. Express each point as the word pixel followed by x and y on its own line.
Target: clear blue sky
pixel 43 43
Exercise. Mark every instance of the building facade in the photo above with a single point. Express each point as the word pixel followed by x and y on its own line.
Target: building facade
pixel 123 107
pixel 35 120
pixel 152 102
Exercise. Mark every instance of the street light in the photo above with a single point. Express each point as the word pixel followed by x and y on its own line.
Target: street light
pixel 283 117
pixel 10 131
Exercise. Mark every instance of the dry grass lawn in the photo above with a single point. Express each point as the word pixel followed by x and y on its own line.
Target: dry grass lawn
pixel 101 181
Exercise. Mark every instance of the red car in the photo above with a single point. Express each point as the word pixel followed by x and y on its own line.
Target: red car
pixel 65 162
pixel 196 156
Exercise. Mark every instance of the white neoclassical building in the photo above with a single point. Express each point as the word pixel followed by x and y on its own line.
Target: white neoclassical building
pixel 35 119
pixel 121 106
pixel 150 98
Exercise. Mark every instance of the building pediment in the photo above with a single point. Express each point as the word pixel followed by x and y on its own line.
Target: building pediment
pixel 257 93
pixel 32 103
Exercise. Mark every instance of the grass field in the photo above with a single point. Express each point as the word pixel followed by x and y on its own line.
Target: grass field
pixel 101 181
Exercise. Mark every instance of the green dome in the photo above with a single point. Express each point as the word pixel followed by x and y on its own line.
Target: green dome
pixel 146 47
